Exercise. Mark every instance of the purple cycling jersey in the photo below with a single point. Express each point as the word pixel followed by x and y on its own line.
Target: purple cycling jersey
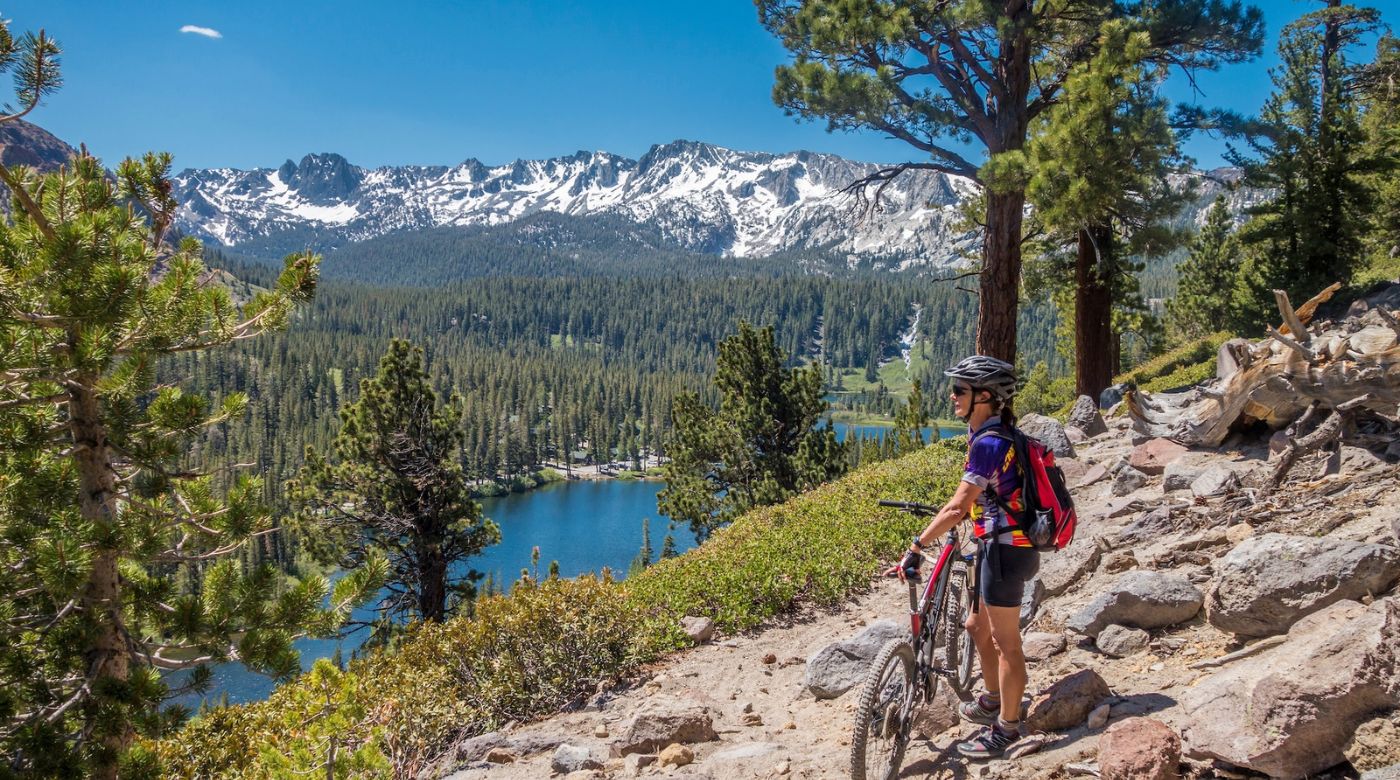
pixel 991 460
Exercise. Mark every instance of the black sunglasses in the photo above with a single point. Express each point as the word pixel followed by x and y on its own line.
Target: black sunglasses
pixel 960 391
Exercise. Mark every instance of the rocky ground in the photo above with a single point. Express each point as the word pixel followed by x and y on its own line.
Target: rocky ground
pixel 1197 618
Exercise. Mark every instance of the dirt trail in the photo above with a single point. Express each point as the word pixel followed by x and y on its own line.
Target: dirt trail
pixel 795 735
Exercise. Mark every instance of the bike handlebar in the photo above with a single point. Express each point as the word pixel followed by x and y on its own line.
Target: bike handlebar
pixel 910 506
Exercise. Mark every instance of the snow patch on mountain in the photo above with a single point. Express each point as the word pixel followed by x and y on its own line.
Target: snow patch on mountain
pixel 702 197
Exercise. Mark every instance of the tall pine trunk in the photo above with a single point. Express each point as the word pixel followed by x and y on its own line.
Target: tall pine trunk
pixel 1000 290
pixel 108 660
pixel 1094 343
pixel 432 576
pixel 999 296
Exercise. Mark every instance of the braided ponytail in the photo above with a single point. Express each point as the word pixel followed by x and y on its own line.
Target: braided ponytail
pixel 1008 417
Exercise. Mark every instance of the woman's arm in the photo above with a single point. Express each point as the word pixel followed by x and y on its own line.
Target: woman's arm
pixel 956 509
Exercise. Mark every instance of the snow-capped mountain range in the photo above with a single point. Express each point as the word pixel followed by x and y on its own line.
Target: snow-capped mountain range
pixel 701 197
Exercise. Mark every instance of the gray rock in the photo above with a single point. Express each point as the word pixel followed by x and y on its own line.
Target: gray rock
pixel 1141 599
pixel 1075 436
pixel 1121 641
pixel 1039 645
pixel 1128 480
pixel 1050 432
pixel 1086 417
pixel 840 666
pixel 1031 596
pixel 659 721
pixel 1268 582
pixel 1215 480
pixel 1391 772
pixel 571 758
pixel 476 748
pixel 1290 711
pixel 1147 528
pixel 1095 473
pixel 1111 396
pixel 1181 472
pixel 699 629
pixel 1060 571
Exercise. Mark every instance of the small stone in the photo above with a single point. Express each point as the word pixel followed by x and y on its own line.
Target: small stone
pixel 782 768
pixel 1157 667
pixel 1094 474
pixel 573 758
pixel 1099 717
pixel 748 707
pixel 499 756
pixel 789 726
pixel 1121 641
pixel 699 629
pixel 1120 561
pixel 1238 533
pixel 1038 645
pixel 636 762
pixel 600 731
pixel 676 754
pixel 770 658
pixel 751 719
pixel 1128 481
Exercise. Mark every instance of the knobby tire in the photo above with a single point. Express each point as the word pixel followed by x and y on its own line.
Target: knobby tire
pixel 884 714
pixel 958 650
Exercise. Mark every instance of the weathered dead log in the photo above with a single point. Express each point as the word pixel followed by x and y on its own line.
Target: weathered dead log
pixel 1275 380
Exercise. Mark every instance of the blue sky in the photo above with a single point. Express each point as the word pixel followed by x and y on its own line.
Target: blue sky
pixel 438 82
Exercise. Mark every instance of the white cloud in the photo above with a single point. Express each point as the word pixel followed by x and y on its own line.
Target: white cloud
pixel 207 32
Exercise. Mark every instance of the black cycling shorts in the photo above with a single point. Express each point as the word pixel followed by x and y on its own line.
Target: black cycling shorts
pixel 1018 566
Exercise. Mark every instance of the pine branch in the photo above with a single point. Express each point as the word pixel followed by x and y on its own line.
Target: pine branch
pixel 26 201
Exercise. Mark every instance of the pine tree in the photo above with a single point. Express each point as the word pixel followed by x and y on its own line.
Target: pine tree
pixel 394 486
pixel 760 447
pixel 644 555
pixel 970 70
pixel 1100 161
pixel 1206 278
pixel 102 515
pixel 668 543
pixel 910 422
pixel 1307 149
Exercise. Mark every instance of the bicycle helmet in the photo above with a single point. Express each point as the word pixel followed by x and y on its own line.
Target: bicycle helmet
pixel 986 373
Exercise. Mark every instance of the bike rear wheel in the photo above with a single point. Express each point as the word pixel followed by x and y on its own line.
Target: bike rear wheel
pixel 884 714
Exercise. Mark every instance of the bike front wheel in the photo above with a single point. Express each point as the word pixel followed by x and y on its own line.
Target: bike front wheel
pixel 884 714
pixel 959 652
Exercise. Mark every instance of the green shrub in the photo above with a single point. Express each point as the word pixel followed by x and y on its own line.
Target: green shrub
pixel 1164 371
pixel 527 653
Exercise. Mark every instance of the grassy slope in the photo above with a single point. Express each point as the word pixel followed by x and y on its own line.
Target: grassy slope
pixel 526 654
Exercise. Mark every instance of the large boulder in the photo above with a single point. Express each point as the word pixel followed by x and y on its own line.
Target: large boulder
pixel 1290 711
pixel 1067 703
pixel 1062 570
pixel 1140 599
pixel 1139 749
pixel 1050 432
pixel 840 666
pixel 1152 456
pixel 660 721
pixel 1086 417
pixel 1269 581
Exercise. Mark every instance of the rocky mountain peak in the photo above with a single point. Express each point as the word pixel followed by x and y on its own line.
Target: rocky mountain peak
pixel 25 143
pixel 326 176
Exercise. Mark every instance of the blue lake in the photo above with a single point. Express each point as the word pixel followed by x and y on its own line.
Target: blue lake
pixel 584 525
pixel 879 432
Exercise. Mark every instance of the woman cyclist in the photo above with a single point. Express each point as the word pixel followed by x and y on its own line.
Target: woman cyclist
pixel 981 394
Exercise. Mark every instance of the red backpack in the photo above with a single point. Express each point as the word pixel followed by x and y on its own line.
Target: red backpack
pixel 1049 519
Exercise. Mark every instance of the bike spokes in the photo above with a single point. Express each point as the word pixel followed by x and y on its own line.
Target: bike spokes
pixel 884 714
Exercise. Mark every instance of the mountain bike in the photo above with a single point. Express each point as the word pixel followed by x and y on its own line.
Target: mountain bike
pixel 905 673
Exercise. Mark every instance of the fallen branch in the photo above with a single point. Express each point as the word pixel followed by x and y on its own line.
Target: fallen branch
pixel 1290 318
pixel 1261 645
